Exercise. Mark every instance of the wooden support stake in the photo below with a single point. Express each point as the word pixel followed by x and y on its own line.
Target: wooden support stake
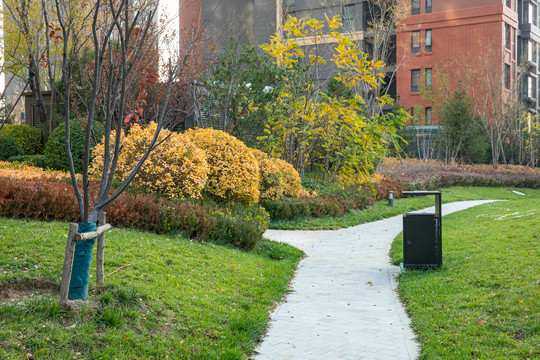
pixel 117 270
pixel 100 271
pixel 68 263
pixel 93 234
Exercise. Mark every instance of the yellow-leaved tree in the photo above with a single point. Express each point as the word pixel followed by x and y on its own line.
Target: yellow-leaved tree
pixel 310 127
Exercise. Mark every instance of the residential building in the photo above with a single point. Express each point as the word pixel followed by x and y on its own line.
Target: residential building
pixel 255 21
pixel 454 33
pixel 529 52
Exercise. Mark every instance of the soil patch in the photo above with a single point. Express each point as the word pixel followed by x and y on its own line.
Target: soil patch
pixel 22 289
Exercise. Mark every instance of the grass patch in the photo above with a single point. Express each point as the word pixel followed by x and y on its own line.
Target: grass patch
pixel 179 299
pixel 483 302
pixel 381 210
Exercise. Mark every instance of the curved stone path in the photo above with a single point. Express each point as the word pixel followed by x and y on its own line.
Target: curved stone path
pixel 343 303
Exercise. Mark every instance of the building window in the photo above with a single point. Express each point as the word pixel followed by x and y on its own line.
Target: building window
pixel 429 119
pixel 415 42
pixel 428 78
pixel 509 3
pixel 512 42
pixel 415 80
pixel 534 14
pixel 507 76
pixel 529 88
pixel 428 40
pixel 348 18
pixel 507 36
pixel 289 2
pixel 415 7
pixel 428 6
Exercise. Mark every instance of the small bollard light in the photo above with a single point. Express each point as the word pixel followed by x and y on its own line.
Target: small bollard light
pixel 391 198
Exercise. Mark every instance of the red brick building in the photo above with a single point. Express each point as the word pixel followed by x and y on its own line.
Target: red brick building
pixel 455 33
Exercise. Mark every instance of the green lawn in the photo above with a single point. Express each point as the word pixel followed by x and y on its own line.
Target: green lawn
pixel 484 303
pixel 178 300
pixel 381 210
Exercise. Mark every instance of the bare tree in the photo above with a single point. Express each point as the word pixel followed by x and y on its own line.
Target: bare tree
pixel 24 34
pixel 379 36
pixel 118 32
pixel 495 87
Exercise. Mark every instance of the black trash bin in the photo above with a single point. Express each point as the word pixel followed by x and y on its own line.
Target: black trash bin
pixel 422 240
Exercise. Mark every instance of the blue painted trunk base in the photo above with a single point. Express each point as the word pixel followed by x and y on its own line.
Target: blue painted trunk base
pixel 80 274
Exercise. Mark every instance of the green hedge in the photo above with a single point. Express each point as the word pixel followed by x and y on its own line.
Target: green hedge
pixel 329 205
pixel 8 147
pixel 32 160
pixel 55 149
pixel 239 226
pixel 28 137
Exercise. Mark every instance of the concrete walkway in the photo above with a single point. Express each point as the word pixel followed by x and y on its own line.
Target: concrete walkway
pixel 344 303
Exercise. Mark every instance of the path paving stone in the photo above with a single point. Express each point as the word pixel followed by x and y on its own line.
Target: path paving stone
pixel 344 303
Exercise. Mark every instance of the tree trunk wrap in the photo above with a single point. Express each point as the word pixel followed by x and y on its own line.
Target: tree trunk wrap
pixel 80 273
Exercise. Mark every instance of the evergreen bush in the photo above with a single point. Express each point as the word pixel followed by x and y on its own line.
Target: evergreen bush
pixel 9 147
pixel 32 160
pixel 28 137
pixel 55 148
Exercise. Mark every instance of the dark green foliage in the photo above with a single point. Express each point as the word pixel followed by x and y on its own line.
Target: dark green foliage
pixel 32 160
pixel 240 226
pixel 461 137
pixel 8 147
pixel 475 149
pixel 55 149
pixel 328 199
pixel 28 137
pixel 240 76
pixel 294 209
pixel 339 90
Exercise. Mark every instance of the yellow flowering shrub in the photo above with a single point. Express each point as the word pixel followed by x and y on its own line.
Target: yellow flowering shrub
pixel 271 185
pixel 234 170
pixel 175 168
pixel 291 179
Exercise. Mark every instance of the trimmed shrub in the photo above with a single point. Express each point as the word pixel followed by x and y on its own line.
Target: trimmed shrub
pixel 55 148
pixel 31 160
pixel 234 170
pixel 291 179
pixel 329 205
pixel 37 198
pixel 271 185
pixel 240 226
pixel 9 147
pixel 176 168
pixel 28 137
